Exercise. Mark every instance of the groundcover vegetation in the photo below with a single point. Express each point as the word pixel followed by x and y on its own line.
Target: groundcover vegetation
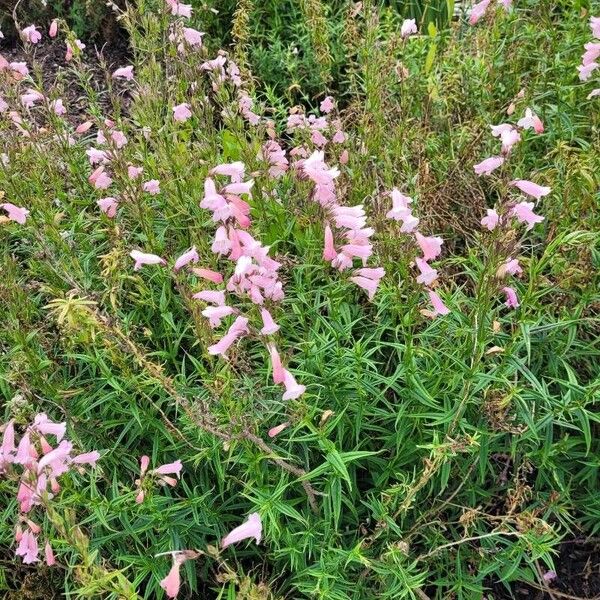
pixel 300 300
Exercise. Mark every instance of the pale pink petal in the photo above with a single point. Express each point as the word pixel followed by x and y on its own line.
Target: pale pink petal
pixel 277 430
pixel 187 257
pixel 251 528
pixel 270 326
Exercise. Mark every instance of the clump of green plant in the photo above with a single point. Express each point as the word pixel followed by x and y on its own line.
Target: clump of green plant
pixel 348 352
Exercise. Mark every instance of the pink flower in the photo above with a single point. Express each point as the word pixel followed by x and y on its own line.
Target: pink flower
pixel 277 430
pixel 344 157
pixel 134 172
pixel 509 138
pixel 83 127
pixel 49 555
pixel 216 297
pixel 187 257
pixel 31 34
pixel 53 29
pixel 524 213
pixel 428 275
pixel 251 528
pixel 239 327
pixel 278 371
pixel 595 26
pixel 592 52
pixel 152 187
pixel 123 73
pixel 478 11
pixel 193 37
pixel 118 137
pixel 234 170
pixel 99 179
pixel 238 188
pixel 585 71
pixel 87 458
pixel 208 274
pixel 56 459
pixel 511 297
pixel 214 314
pixel 368 279
pixel 58 107
pixel 593 93
pixel 108 206
pixel 15 213
pixel 531 121
pixel 327 105
pixel 144 463
pixel 531 189
pixel 439 308
pixel 42 424
pixel 172 582
pixel 329 251
pixel 431 246
pixel 270 326
pixel 409 27
pixel 339 137
pixel 182 112
pixel 29 99
pixel 318 138
pixel 96 156
pixel 173 468
pixel 488 165
pixel 510 267
pixel 293 389
pixel 491 220
pixel 141 259
pixel 180 10
pixel 19 67
pixel 549 576
pixel 28 548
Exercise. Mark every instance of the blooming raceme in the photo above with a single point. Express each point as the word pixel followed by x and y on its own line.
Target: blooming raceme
pixel 36 465
pixel 590 58
pixel 510 211
pixel 349 223
pixel 430 246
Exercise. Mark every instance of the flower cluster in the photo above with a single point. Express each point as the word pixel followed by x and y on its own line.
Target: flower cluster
pixel 255 274
pixel 349 223
pixel 430 246
pixel 589 60
pixel 510 211
pixel 37 465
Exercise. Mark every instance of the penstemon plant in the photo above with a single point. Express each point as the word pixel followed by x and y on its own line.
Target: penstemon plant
pixel 316 351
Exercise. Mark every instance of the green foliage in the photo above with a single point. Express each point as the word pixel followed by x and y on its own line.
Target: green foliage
pixel 446 455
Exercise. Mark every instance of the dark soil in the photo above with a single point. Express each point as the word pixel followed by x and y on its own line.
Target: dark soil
pixel 578 575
